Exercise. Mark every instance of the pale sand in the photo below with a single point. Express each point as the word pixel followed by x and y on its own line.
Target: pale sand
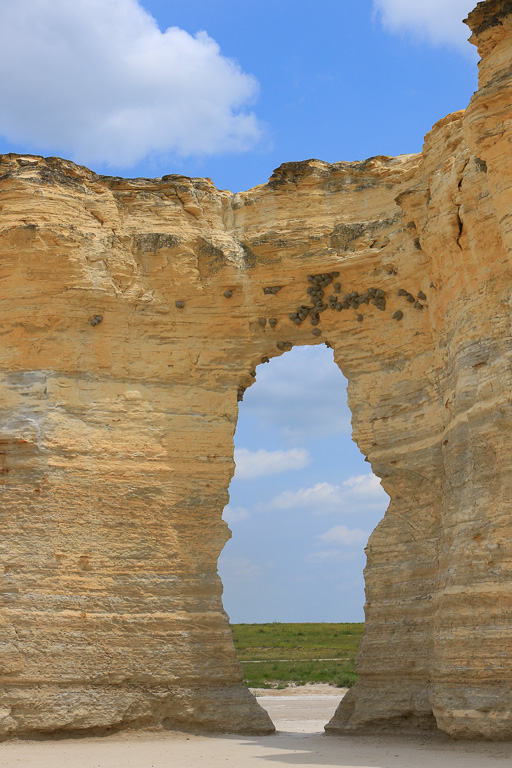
pixel 300 716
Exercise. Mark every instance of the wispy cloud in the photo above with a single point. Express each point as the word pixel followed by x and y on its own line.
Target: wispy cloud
pixel 251 464
pixel 326 556
pixel 437 21
pixel 235 514
pixel 301 394
pixel 239 568
pixel 347 537
pixel 99 81
pixel 358 494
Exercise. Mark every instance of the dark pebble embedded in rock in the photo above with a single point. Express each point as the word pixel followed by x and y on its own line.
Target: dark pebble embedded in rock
pixel 272 289
pixel 316 331
pixel 284 346
pixel 398 315
pixel 417 305
pixel 179 304
pixel 265 359
pixel 422 296
pixel 96 320
pixel 402 292
pixel 410 298
pixel 359 318
pixel 272 322
pixel 337 287
pixel 228 294
pixel 262 321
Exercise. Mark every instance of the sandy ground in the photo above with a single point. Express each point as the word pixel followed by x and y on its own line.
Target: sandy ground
pixel 298 714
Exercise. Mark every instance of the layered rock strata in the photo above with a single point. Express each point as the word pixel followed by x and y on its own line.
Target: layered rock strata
pixel 135 314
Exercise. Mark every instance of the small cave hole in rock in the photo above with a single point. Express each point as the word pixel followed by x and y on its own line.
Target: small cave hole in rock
pixel 303 502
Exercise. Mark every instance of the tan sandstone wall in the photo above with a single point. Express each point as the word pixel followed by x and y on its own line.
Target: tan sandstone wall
pixel 118 409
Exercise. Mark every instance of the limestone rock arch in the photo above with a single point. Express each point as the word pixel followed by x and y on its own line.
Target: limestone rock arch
pixel 122 362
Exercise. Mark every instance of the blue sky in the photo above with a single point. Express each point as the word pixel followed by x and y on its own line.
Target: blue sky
pixel 230 89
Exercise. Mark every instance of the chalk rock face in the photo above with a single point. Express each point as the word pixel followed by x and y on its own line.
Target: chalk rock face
pixel 134 314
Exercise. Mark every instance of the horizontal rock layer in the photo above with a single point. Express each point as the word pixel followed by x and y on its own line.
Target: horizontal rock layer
pixel 134 315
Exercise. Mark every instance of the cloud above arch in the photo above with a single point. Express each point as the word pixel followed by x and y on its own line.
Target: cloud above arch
pixel 98 80
pixel 436 21
pixel 251 464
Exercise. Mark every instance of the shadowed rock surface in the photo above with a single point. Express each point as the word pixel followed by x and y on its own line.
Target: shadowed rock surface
pixel 134 312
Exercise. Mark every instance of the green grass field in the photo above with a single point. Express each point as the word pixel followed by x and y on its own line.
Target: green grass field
pixel 276 655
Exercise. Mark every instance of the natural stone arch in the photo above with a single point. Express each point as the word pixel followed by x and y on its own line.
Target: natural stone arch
pixel 119 409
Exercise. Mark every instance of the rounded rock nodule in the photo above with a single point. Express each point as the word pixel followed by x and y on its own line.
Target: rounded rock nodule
pixel 96 320
pixel 179 304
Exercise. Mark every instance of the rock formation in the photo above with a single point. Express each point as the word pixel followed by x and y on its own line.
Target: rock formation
pixel 135 314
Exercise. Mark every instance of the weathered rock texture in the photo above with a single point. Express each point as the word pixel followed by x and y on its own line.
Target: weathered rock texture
pixel 119 407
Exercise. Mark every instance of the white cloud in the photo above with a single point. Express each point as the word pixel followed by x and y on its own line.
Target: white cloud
pixel 235 514
pixel 358 494
pixel 344 536
pixel 98 80
pixel 437 21
pixel 367 487
pixel 251 464
pixel 319 495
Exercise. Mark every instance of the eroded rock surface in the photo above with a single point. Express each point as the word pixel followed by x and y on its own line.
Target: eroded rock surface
pixel 134 316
